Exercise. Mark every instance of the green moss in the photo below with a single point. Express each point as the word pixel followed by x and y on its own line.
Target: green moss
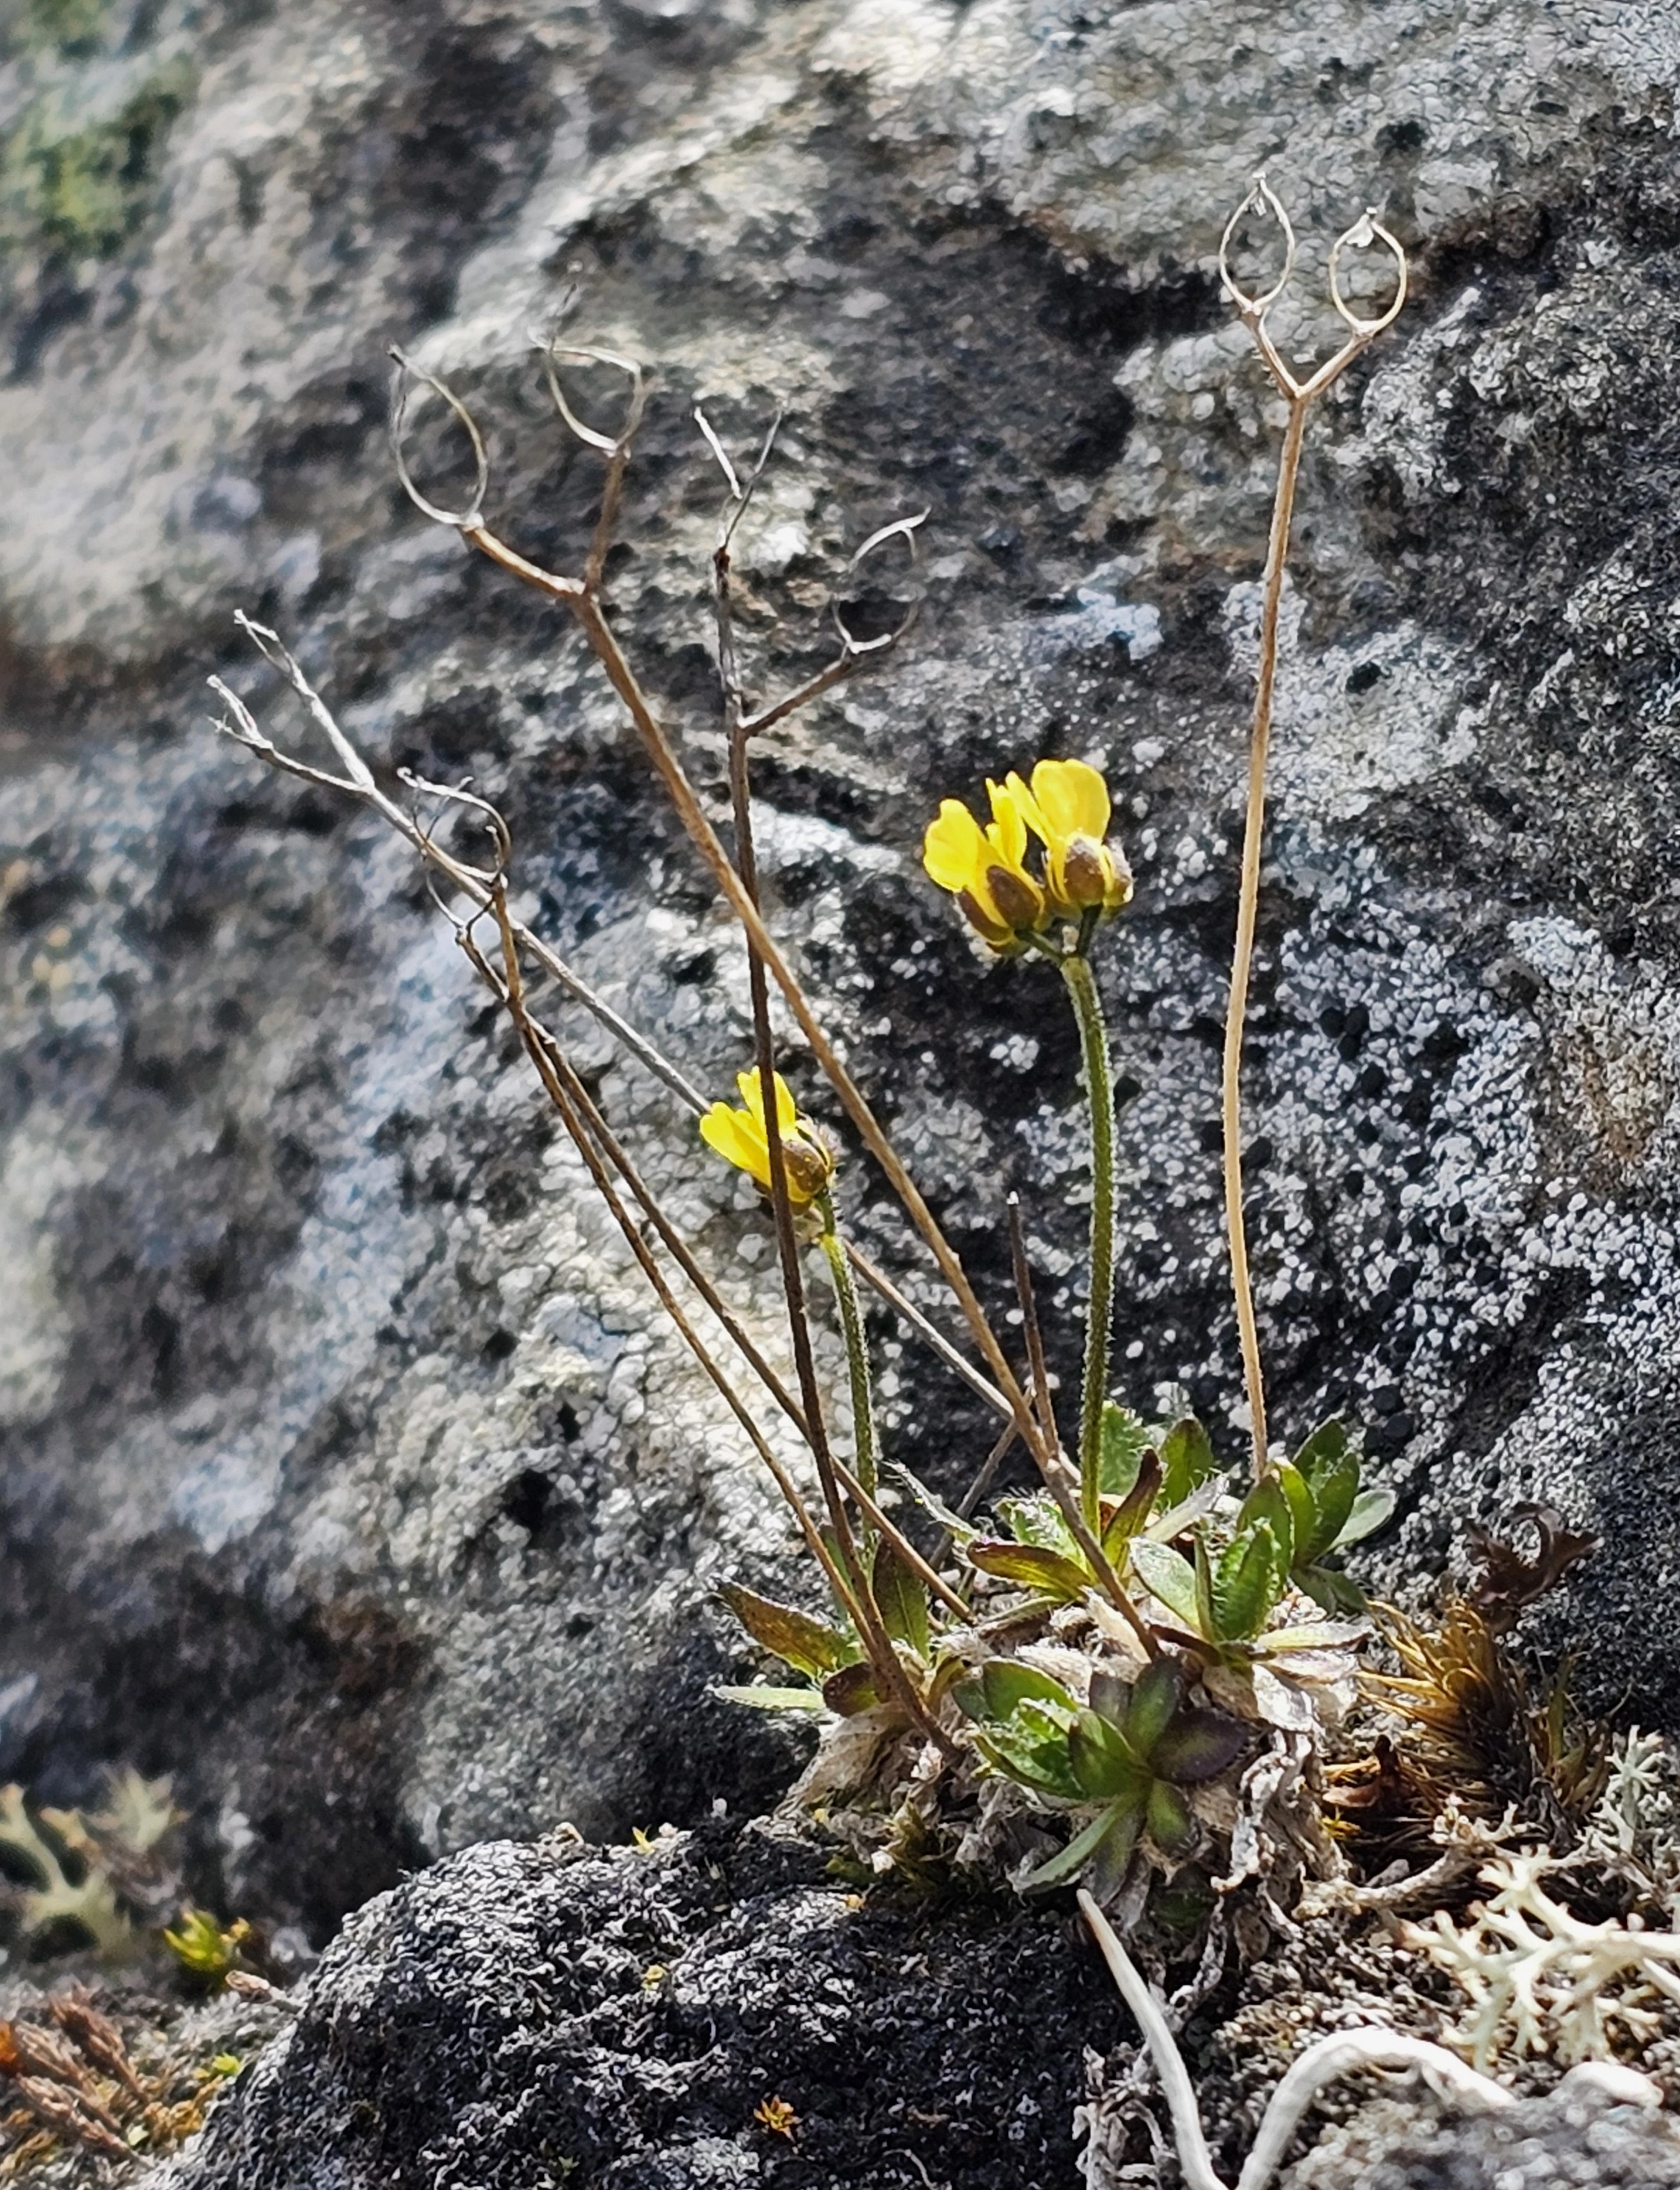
pixel 80 185
pixel 73 28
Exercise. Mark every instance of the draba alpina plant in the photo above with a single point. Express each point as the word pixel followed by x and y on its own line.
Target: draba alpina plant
pixel 1122 1677
pixel 1129 1678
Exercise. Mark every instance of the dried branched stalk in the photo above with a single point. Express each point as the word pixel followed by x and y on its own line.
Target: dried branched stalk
pixel 582 596
pixel 1300 395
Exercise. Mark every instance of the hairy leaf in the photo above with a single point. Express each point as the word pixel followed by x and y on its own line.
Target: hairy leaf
pixel 1334 1493
pixel 1246 1582
pixel 1003 1684
pixel 1269 1502
pixel 1123 1440
pixel 1329 1444
pixel 932 1505
pixel 1157 1694
pixel 1171 1827
pixel 1031 1565
pixel 901 1597
pixel 1166 1575
pixel 1034 1520
pixel 806 1644
pixel 1103 1764
pixel 1198 1745
pixel 1186 1460
pixel 1033 1761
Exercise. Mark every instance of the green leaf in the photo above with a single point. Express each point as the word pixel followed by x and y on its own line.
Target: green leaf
pixel 794 1636
pixel 1103 1764
pixel 1302 1504
pixel 1328 1446
pixel 1034 1520
pixel 1330 1590
pixel 1041 1765
pixel 1371 1510
pixel 1105 1873
pixel 1248 1581
pixel 1032 1566
pixel 1198 1745
pixel 762 1697
pixel 1123 1440
pixel 1321 1635
pixel 1003 1684
pixel 1110 1696
pixel 1269 1501
pixel 1157 1694
pixel 1186 1460
pixel 1171 1826
pixel 1168 1575
pixel 901 1597
pixel 932 1505
pixel 1124 1521
pixel 1064 1867
pixel 1334 1494
pixel 851 1690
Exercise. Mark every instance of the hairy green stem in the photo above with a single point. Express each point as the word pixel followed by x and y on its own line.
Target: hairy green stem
pixel 857 1351
pixel 1099 1086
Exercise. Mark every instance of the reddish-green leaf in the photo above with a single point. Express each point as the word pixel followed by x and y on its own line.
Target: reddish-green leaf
pixel 793 1636
pixel 901 1597
pixel 1122 1521
pixel 851 1690
pixel 1064 1867
pixel 1031 1565
pixel 1198 1745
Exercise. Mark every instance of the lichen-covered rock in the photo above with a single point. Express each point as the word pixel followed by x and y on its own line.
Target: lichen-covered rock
pixel 522 2015
pixel 348 1472
pixel 1577 2137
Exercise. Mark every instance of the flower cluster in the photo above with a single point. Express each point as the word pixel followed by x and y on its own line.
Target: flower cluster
pixel 1084 878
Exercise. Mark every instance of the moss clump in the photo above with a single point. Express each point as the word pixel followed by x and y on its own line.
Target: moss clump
pixel 77 183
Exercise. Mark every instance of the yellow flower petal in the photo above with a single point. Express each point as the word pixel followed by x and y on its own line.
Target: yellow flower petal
pixel 954 850
pixel 1073 798
pixel 1008 830
pixel 738 1138
pixel 747 1082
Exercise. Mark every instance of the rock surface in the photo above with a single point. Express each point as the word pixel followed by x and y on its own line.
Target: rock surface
pixel 347 1473
pixel 520 2015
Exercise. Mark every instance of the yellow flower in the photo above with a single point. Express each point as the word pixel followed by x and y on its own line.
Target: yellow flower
pixel 1068 810
pixel 740 1139
pixel 983 867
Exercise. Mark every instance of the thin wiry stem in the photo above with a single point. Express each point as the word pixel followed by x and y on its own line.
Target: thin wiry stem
pixel 1035 1337
pixel 840 1566
pixel 1252 308
pixel 1099 1315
